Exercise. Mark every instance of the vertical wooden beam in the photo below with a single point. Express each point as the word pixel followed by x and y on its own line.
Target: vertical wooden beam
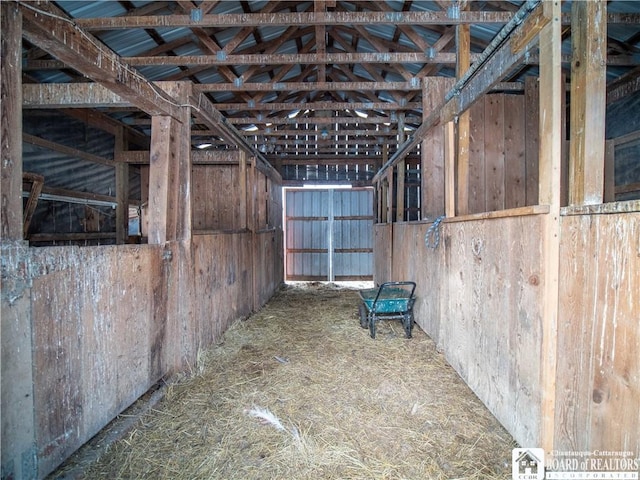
pixel 609 172
pixel 463 62
pixel 400 173
pixel 588 101
pixel 551 91
pixel 253 227
pixel 242 187
pixel 37 182
pixel 532 138
pixel 432 180
pixel 161 156
pixel 383 188
pixel 170 173
pixel 122 190
pixel 449 170
pixel 390 193
pixel 11 115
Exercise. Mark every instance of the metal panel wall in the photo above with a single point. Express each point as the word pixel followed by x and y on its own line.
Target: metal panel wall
pixel 329 234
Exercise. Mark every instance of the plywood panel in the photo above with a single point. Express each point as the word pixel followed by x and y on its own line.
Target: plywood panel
pixel 598 386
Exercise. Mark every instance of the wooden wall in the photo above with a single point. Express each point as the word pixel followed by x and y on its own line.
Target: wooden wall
pixel 479 299
pixel 211 209
pixel 598 385
pixel 502 172
pixel 102 325
pixel 109 322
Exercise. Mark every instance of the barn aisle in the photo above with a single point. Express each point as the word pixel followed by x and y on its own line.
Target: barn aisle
pixel 300 391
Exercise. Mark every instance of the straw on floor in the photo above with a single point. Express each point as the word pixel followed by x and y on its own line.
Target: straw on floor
pixel 300 391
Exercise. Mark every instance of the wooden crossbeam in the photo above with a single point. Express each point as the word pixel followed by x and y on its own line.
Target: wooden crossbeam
pixel 295 59
pixel 327 18
pixel 319 106
pixel 45 26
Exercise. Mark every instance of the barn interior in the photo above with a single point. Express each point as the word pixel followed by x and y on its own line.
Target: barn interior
pixel 155 159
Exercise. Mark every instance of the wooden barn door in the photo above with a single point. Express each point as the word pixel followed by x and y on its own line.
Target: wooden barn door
pixel 329 234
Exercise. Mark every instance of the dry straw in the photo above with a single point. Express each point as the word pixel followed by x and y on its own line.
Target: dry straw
pixel 300 391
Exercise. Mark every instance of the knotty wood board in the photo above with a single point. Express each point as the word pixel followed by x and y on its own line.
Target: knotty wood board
pixel 598 384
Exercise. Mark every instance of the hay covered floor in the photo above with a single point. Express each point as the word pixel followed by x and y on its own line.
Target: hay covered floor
pixel 300 391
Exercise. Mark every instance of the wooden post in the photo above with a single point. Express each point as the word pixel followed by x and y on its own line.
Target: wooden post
pixel 11 114
pixel 400 173
pixel 253 227
pixel 551 91
pixel 432 180
pixel 463 50
pixel 242 185
pixel 122 191
pixel 170 173
pixel 588 101
pixel 532 138
pixel 449 170
pixel 609 171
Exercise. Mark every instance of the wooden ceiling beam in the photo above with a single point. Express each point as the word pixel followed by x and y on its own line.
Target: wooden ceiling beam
pixel 46 27
pixel 320 120
pixel 327 18
pixel 303 86
pixel 319 106
pixel 288 59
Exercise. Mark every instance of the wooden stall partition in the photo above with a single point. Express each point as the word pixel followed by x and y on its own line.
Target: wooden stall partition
pixel 382 252
pixel 414 261
pixel 93 338
pixel 18 430
pixel 498 169
pixel 479 297
pixel 216 198
pixel 223 282
pixel 598 371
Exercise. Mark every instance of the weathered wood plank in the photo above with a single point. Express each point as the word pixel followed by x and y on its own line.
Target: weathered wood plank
pixel 11 115
pixel 463 51
pixel 432 161
pixel 550 125
pixel 532 100
pixel 477 177
pixel 328 18
pixel 449 170
pixel 44 26
pixel 162 154
pixel 588 102
pixel 596 391
pixel 494 156
pixel 122 192
pixel 514 151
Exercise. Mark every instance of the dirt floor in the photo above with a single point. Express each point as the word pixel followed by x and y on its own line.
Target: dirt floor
pixel 300 391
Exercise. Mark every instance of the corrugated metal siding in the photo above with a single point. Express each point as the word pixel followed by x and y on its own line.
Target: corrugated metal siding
pixel 329 234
